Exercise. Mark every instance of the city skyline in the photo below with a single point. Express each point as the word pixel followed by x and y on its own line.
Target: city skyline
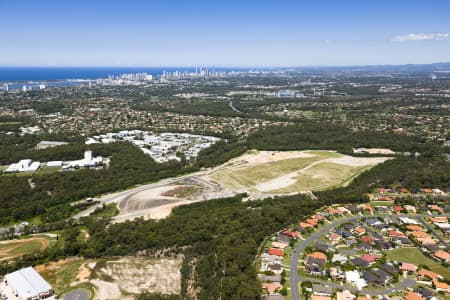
pixel 232 34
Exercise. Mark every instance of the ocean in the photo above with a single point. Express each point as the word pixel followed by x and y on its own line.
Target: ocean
pixel 26 74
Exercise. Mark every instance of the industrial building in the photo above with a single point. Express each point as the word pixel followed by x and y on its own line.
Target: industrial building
pixel 25 165
pixel 27 284
pixel 49 144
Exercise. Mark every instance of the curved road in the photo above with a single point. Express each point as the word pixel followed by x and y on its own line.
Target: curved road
pixel 233 107
pixel 294 278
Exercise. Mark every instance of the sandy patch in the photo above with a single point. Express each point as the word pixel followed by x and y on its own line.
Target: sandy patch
pixel 107 290
pixel 277 183
pixel 357 161
pixel 260 157
pixel 83 273
pixel 137 275
pixel 291 178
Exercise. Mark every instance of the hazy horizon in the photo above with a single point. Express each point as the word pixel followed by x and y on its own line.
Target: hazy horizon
pixel 231 33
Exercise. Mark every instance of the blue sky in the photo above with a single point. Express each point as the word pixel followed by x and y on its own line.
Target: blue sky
pixel 223 33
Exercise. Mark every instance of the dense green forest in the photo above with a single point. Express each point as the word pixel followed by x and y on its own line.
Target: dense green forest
pixel 328 136
pixel 219 239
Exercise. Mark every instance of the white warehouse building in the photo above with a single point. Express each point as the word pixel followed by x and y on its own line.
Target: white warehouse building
pixel 27 284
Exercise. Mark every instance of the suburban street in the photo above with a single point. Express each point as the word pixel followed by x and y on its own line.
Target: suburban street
pixel 295 278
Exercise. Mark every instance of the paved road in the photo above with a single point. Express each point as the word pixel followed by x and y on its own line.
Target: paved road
pixel 234 108
pixel 295 278
pixel 78 294
pixel 118 196
pixel 405 284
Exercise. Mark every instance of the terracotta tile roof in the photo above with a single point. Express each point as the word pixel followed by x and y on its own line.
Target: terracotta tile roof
pixel 413 296
pixel 271 286
pixel 408 267
pixel 317 297
pixel 430 274
pixel 441 254
pixel 439 220
pixel 396 233
pixel 276 252
pixel 369 257
pixel 319 255
pixel 312 222
pixel 415 228
pixel 441 285
pixel 420 234
pixel 305 225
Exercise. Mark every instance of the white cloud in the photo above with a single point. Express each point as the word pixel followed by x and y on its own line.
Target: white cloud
pixel 437 36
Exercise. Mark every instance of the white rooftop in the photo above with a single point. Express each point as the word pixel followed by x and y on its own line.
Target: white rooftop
pixel 28 283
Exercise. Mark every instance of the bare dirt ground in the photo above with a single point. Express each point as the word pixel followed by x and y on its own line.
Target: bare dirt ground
pixel 289 179
pixel 358 161
pixel 83 273
pixel 261 157
pixel 158 202
pixel 131 275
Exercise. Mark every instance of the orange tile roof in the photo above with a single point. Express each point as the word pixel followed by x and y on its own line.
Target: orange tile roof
pixel 426 241
pixel 271 286
pixel 318 218
pixel 274 251
pixel 312 222
pixel 427 273
pixel 359 230
pixel 413 296
pixel 369 257
pixel 441 254
pixel 435 207
pixel 363 298
pixel 420 234
pixel 318 255
pixel 305 225
pixel 439 220
pixel 441 285
pixel 317 297
pixel 408 267
pixel 415 228
pixel 395 233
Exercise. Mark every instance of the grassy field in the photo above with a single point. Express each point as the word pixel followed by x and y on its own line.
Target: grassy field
pixel 246 176
pixel 15 248
pixel 295 172
pixel 62 275
pixel 321 176
pixel 415 256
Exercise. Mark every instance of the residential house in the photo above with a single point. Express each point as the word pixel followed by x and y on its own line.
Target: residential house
pixel 271 287
pixel 388 268
pixel 345 295
pixel 354 278
pixel 413 296
pixel 424 292
pixel 441 286
pixel 370 258
pixel 339 258
pixel 322 290
pixel 408 267
pixel 442 256
pixel 337 274
pixel 359 262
